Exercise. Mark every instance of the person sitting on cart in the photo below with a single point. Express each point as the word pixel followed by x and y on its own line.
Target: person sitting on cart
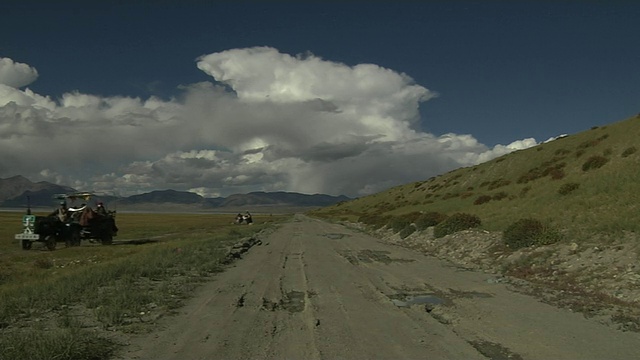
pixel 87 215
pixel 101 210
pixel 247 218
pixel 61 213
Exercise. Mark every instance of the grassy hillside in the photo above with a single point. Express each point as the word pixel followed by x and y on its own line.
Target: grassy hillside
pixel 582 185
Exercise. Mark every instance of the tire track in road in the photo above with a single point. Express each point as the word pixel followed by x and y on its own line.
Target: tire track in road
pixel 225 319
pixel 296 318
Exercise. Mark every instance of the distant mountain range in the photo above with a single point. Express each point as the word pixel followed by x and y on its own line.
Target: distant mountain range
pixel 17 191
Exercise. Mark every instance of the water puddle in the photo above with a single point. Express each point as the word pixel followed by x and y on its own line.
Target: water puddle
pixel 336 236
pixel 427 299
pixel 293 301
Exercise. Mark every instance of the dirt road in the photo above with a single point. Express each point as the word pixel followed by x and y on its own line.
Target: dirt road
pixel 315 290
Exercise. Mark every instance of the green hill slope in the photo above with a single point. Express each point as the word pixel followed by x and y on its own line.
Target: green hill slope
pixel 582 185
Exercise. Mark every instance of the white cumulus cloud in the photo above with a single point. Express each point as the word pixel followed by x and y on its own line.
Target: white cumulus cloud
pixel 15 74
pixel 265 121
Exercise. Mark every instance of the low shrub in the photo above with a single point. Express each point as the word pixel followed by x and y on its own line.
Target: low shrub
pixel 408 230
pixel 588 143
pixel 553 168
pixel 557 174
pixel 500 195
pixel 413 216
pixel 482 199
pixel 498 183
pixel 594 162
pixel 466 194
pixel 374 220
pixel 522 233
pixel 450 196
pixel 429 219
pixel 454 223
pixel 528 232
pixel 544 169
pixel 628 151
pixel 397 223
pixel 568 188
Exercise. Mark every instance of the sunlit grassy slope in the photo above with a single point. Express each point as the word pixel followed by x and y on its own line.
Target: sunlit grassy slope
pixel 584 184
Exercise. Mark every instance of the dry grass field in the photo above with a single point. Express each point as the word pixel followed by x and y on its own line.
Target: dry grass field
pixel 60 304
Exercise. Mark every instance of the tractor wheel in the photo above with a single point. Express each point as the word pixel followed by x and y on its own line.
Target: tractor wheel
pixel 50 242
pixel 26 244
pixel 107 239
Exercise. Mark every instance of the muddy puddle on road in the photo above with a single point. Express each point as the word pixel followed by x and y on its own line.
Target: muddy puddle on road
pixel 430 299
pixel 439 308
pixel 369 256
pixel 336 236
pixel 407 301
pixel 292 301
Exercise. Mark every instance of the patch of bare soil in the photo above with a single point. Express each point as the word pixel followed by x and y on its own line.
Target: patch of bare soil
pixel 599 281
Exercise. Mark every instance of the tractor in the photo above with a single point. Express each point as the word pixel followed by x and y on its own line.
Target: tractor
pixel 70 224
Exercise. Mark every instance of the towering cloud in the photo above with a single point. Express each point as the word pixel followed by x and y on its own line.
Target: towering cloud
pixel 266 121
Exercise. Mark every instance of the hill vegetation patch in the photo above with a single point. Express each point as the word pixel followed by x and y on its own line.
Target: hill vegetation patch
pixel 456 222
pixel 498 184
pixel 629 151
pixel 594 162
pixel 431 218
pixel 566 189
pixel 553 167
pixel 406 231
pixel 398 223
pixel 528 232
pixel 376 221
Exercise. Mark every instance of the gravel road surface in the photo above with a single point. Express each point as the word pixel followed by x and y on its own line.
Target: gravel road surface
pixel 317 290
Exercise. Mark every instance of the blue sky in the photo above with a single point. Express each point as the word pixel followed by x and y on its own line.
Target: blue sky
pixel 494 73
